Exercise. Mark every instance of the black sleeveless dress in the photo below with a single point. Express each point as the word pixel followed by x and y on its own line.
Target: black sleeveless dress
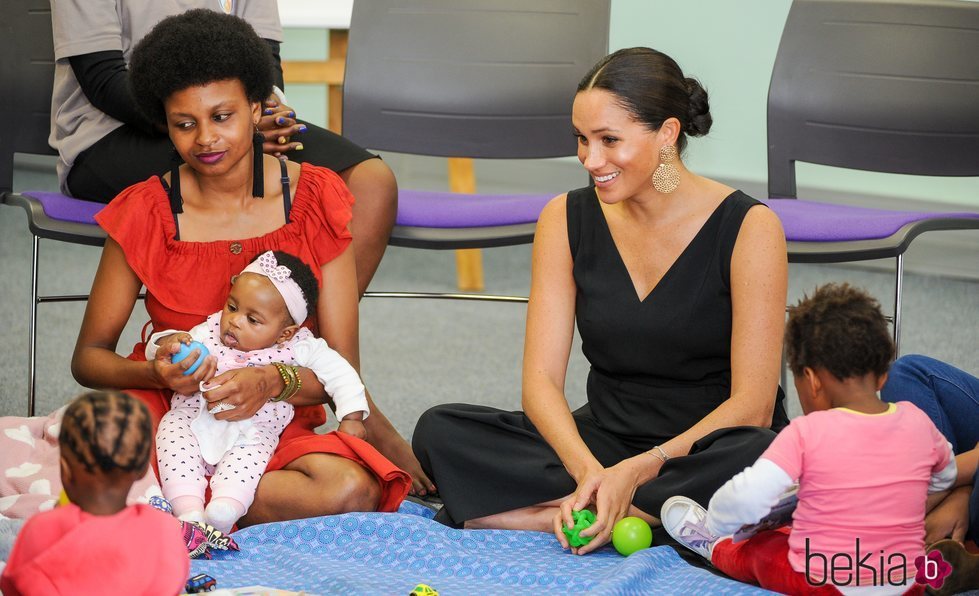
pixel 658 366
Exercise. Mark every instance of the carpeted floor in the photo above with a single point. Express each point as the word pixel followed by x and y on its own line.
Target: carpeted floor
pixel 417 353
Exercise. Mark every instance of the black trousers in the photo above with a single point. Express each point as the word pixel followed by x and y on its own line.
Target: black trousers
pixel 486 461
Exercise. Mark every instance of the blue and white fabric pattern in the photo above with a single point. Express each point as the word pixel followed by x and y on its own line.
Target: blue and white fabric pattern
pixel 385 553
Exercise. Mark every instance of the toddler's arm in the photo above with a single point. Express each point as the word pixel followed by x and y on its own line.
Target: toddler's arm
pixel 747 497
pixel 944 478
pixel 339 379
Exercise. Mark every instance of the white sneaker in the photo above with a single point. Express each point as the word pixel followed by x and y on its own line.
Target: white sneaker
pixel 686 522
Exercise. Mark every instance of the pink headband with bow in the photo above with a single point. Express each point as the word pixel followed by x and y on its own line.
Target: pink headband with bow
pixel 281 278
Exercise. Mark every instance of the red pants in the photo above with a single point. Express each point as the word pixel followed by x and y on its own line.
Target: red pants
pixel 763 560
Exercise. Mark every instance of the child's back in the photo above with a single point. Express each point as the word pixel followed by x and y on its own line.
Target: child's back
pixel 863 481
pixel 96 544
pixel 864 468
pixel 68 551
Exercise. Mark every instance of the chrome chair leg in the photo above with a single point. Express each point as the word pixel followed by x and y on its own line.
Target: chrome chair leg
pixel 783 373
pixel 32 350
pixel 898 290
pixel 447 296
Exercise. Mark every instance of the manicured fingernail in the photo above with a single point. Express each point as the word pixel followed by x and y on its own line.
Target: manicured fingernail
pixel 302 128
pixel 292 114
pixel 282 140
pixel 280 120
pixel 299 147
pixel 268 111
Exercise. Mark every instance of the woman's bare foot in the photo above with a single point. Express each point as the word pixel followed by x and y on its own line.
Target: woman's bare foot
pixel 394 447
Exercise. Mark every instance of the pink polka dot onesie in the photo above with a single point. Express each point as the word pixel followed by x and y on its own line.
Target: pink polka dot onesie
pixel 192 444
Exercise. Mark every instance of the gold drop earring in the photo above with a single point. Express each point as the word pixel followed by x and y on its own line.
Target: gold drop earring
pixel 666 177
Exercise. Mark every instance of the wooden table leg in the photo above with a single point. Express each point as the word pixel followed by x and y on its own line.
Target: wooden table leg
pixel 469 262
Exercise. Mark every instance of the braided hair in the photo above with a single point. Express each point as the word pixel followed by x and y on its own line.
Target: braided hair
pixel 107 431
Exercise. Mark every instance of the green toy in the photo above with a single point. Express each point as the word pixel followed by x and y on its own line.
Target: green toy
pixel 582 519
pixel 631 534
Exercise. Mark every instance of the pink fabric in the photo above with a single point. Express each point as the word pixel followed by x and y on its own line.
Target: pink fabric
pixel 237 474
pixel 67 551
pixel 30 470
pixel 861 476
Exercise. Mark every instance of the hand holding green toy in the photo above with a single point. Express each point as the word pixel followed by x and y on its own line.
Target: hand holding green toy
pixel 582 519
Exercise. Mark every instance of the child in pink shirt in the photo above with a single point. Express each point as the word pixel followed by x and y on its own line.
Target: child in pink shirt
pixel 864 468
pixel 96 544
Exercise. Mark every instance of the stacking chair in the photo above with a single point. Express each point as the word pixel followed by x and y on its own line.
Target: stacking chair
pixel 473 79
pixel 27 62
pixel 886 86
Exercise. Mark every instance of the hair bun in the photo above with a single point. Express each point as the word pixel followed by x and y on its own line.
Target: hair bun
pixel 698 113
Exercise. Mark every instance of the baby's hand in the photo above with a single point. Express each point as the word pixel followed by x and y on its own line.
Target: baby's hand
pixel 353 427
pixel 167 344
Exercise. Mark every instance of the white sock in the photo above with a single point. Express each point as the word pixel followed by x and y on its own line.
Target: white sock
pixel 188 508
pixel 223 512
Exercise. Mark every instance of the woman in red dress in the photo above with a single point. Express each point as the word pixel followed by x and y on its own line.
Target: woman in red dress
pixel 203 75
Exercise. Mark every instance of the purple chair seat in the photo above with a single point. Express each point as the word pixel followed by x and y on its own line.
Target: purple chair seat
pixel 432 209
pixel 63 208
pixel 810 221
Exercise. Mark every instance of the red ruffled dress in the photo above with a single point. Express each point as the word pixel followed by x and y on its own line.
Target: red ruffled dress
pixel 187 281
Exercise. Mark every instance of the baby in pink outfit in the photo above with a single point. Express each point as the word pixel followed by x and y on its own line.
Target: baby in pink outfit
pixel 259 325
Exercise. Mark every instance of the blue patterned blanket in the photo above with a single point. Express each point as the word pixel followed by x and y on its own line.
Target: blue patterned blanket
pixel 391 553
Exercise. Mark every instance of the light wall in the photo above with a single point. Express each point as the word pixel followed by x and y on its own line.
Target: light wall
pixel 730 47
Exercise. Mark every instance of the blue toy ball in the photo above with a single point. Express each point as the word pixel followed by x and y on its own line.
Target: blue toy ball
pixel 185 351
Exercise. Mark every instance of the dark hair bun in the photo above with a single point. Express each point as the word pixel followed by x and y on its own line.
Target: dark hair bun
pixel 698 115
pixel 651 86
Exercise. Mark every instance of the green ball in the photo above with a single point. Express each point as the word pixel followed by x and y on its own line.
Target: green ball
pixel 631 534
pixel 582 519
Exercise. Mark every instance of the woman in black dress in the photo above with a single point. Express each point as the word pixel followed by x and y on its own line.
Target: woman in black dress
pixel 678 286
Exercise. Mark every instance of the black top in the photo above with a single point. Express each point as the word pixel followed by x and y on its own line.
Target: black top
pixel 661 363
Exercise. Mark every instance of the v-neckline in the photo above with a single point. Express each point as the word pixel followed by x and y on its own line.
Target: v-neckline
pixel 625 268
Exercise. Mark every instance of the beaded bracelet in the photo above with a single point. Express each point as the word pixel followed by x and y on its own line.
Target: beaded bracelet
pixel 659 453
pixel 290 377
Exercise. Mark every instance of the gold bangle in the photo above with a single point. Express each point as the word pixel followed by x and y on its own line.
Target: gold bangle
pixel 297 381
pixel 289 378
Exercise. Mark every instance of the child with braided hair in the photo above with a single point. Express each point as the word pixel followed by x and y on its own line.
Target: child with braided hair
pixel 259 325
pixel 86 546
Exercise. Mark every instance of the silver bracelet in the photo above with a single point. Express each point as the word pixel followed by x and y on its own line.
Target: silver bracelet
pixel 659 453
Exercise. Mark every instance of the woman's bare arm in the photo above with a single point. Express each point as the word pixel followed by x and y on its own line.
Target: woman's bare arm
pixel 547 343
pixel 95 362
